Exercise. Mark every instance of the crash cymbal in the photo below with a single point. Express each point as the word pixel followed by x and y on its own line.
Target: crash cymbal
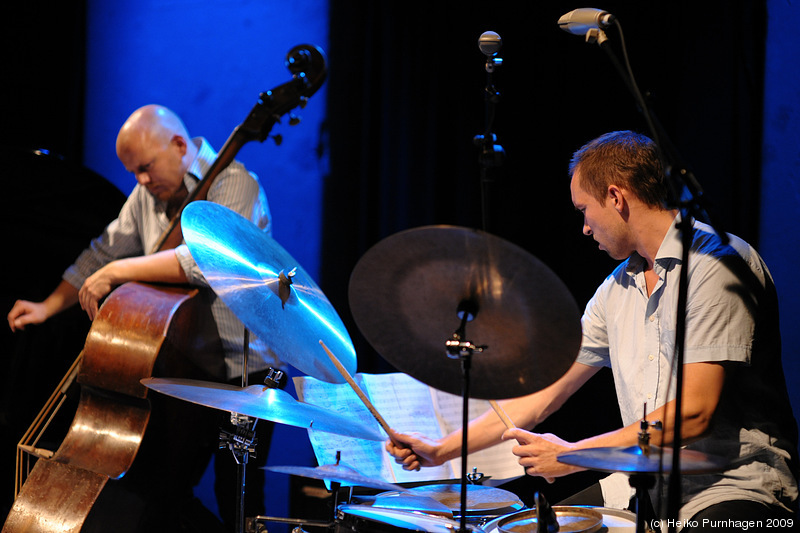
pixel 633 460
pixel 262 402
pixel 342 474
pixel 406 291
pixel 267 290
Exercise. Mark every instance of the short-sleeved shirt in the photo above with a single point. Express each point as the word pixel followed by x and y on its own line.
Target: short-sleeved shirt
pixel 731 318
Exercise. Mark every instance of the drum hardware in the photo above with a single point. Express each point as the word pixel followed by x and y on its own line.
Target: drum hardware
pixel 644 433
pixel 568 519
pixel 475 477
pixel 643 462
pixel 364 519
pixel 339 475
pixel 547 519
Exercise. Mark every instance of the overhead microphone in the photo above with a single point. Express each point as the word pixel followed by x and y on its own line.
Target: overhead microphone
pixel 580 21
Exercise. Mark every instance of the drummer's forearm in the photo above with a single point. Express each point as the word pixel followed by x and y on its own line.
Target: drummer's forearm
pixel 527 412
pixel 483 432
pixel 702 387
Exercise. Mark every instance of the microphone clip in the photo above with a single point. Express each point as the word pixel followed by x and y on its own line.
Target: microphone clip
pixel 492 62
pixel 596 35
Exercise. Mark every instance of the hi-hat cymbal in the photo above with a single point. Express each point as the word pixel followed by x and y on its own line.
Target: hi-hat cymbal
pixel 267 290
pixel 262 402
pixel 632 459
pixel 406 291
pixel 342 474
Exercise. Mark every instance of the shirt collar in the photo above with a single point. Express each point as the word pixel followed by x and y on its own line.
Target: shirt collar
pixel 201 164
pixel 670 250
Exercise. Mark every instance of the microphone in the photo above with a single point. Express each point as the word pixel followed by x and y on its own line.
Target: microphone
pixel 580 21
pixel 490 42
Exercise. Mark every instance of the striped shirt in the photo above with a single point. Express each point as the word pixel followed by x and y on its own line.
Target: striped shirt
pixel 143 219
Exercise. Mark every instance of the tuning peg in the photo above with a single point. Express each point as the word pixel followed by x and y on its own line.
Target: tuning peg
pixel 294 120
pixel 277 138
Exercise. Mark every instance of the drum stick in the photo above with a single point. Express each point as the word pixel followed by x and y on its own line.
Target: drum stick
pixel 349 379
pixel 502 414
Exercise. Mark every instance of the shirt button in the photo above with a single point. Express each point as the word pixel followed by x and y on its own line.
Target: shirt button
pixel 649 396
pixel 651 357
pixel 652 318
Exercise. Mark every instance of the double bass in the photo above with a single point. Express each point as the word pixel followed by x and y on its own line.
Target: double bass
pixel 120 437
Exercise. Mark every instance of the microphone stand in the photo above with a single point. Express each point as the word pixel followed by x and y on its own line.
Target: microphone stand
pixel 685 195
pixel 491 155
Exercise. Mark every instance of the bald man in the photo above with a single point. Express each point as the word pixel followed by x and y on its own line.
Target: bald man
pixel 154 145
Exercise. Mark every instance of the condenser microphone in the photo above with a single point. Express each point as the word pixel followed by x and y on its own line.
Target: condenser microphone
pixel 580 21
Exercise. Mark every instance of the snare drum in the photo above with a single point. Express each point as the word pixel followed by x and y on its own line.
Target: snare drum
pixel 483 503
pixel 570 518
pixel 367 519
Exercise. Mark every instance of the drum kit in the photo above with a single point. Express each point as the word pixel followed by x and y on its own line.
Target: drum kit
pixel 420 297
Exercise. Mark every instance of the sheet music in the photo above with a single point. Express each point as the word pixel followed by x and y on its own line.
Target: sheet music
pixel 404 403
pixel 365 456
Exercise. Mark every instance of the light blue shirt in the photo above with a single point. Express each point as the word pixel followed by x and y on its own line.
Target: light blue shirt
pixel 139 226
pixel 731 316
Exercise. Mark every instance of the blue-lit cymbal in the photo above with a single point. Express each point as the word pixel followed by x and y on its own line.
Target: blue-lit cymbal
pixel 633 459
pixel 262 402
pixel 267 290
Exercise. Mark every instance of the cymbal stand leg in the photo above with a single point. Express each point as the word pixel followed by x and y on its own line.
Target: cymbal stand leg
pixel 641 483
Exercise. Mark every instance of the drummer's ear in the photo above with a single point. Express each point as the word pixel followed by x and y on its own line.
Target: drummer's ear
pixel 615 197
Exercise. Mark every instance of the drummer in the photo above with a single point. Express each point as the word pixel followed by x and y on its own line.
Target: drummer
pixel 735 403
pixel 154 145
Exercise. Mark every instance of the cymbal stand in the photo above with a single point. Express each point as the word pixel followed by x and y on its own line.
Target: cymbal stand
pixel 641 482
pixel 242 441
pixel 242 444
pixel 458 347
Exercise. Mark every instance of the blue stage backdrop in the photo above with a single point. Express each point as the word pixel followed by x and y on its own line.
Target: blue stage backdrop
pixel 209 61
pixel 780 193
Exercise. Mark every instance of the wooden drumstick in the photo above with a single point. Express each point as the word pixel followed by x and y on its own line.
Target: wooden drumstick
pixel 349 379
pixel 502 414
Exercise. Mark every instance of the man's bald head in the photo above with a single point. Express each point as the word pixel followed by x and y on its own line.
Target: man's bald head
pixel 150 123
pixel 154 145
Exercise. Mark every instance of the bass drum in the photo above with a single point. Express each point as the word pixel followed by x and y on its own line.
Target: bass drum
pixel 353 518
pixel 570 518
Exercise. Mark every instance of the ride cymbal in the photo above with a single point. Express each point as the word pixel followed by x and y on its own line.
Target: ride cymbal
pixel 406 294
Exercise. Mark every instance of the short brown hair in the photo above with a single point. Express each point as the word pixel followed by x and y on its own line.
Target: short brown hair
pixel 624 158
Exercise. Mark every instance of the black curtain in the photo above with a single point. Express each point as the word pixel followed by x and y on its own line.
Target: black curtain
pixel 406 98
